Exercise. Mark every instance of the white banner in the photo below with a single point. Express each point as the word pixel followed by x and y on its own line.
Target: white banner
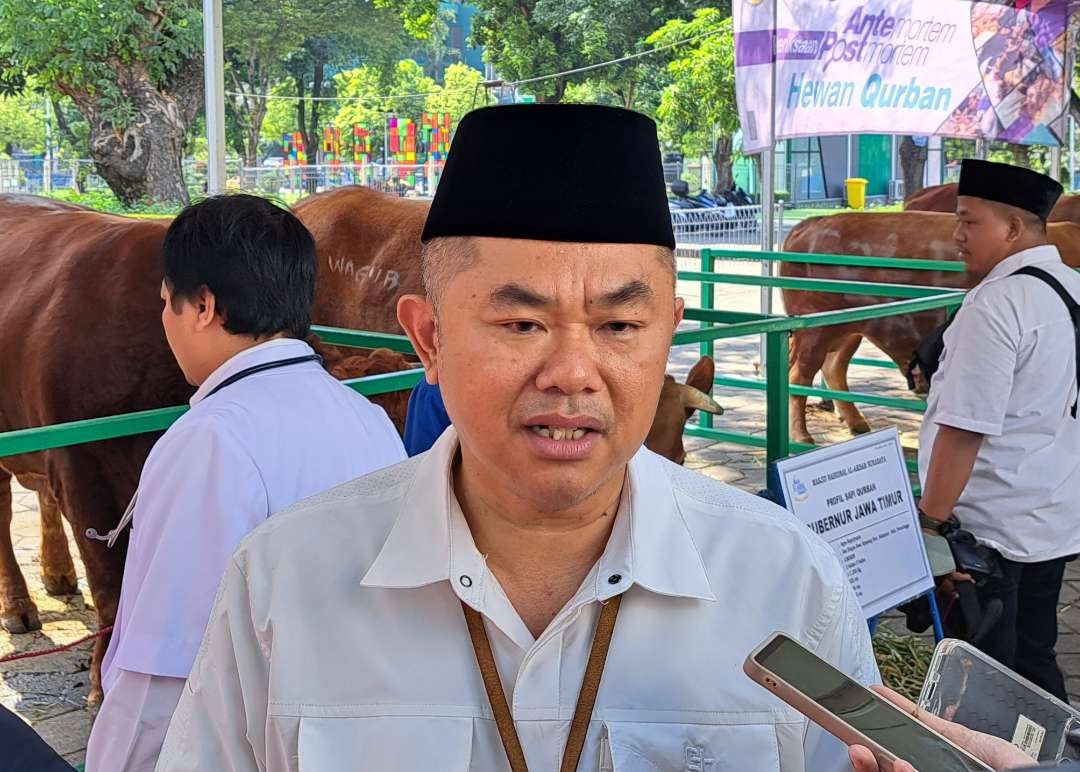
pixel 922 67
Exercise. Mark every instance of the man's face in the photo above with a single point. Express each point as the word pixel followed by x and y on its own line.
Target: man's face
pixel 984 234
pixel 180 325
pixel 551 359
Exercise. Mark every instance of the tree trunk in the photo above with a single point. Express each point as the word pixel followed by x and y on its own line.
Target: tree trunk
pixel 725 179
pixel 913 163
pixel 1022 155
pixel 142 161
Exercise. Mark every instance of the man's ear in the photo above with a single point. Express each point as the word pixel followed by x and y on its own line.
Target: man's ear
pixel 680 309
pixel 206 305
pixel 1017 228
pixel 417 317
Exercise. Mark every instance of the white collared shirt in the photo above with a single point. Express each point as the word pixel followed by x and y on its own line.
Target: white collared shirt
pixel 256 447
pixel 1008 372
pixel 338 641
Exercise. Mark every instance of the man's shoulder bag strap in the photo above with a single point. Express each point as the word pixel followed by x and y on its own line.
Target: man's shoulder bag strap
pixel 1074 312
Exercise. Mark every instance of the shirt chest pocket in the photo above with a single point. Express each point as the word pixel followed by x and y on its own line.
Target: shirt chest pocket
pixel 659 747
pixel 384 743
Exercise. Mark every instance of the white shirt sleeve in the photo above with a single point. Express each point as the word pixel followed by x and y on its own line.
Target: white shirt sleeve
pixel 845 645
pixel 131 724
pixel 980 361
pixel 220 722
pixel 197 500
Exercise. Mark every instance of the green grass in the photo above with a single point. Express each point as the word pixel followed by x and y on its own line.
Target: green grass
pixel 105 201
pixel 802 213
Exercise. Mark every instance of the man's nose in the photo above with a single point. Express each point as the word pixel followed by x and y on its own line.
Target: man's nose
pixel 570 366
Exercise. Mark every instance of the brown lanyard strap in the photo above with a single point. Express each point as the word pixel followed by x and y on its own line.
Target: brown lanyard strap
pixel 590 686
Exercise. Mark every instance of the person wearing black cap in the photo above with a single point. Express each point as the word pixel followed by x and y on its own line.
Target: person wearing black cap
pixel 537 591
pixel 999 449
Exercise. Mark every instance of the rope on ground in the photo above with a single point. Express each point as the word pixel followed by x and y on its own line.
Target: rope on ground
pixel 56 649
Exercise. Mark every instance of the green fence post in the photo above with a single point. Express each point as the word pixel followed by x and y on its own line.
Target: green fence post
pixel 777 442
pixel 708 262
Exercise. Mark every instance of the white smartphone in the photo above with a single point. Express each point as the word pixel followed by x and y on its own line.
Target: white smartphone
pixel 850 711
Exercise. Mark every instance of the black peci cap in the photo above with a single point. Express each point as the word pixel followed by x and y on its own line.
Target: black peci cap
pixel 577 173
pixel 1007 184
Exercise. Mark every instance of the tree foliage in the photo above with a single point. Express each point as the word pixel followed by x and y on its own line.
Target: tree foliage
pixel 697 111
pixel 132 67
pixel 461 92
pixel 527 38
pixel 699 103
pixel 371 98
pixel 22 123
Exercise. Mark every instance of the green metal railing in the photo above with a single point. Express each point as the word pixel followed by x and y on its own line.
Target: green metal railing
pixel 111 427
pixel 777 443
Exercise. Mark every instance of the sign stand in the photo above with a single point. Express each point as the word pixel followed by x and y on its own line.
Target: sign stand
pixel 857 496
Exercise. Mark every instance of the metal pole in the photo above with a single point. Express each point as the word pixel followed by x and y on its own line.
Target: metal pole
pixel 892 161
pixel 214 74
pixel 980 149
pixel 1072 153
pixel 47 171
pixel 1055 163
pixel 768 191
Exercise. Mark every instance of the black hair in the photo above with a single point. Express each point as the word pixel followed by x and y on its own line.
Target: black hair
pixel 257 259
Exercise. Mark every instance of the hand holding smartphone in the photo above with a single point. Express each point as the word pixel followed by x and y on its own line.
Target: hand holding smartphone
pixel 852 712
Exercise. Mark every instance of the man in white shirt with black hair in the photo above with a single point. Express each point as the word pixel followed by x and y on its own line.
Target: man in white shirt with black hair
pixel 999 449
pixel 268 426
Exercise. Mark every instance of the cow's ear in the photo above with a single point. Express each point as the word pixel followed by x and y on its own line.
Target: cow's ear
pixel 701 375
pixel 417 318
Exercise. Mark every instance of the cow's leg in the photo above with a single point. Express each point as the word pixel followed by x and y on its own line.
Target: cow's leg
pixel 18 614
pixel 104 570
pixel 835 370
pixel 57 567
pixel 95 484
pixel 807 357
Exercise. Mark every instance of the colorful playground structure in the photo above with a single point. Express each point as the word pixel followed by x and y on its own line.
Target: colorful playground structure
pixel 414 153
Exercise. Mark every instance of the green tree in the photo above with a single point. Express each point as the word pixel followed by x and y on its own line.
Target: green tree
pixel 269 41
pixel 22 123
pixel 134 70
pixel 697 109
pixel 370 97
pixel 461 92
pixel 526 38
pixel 280 114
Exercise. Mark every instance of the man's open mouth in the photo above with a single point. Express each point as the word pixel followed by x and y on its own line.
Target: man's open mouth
pixel 560 433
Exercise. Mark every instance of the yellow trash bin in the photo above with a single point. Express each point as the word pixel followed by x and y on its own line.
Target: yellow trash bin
pixel 856 192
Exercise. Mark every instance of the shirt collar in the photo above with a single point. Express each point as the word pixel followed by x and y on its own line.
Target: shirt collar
pixel 650 543
pixel 1041 255
pixel 269 351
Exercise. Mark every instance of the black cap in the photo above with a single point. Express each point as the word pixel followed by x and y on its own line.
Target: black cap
pixel 581 173
pixel 1012 185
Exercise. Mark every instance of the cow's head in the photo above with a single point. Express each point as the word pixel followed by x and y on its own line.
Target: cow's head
pixel 678 401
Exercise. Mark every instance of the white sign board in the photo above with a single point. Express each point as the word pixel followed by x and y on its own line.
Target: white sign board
pixel 857 497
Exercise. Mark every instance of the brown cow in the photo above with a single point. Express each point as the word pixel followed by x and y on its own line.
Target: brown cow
pixel 81 337
pixel 942 198
pixel 369 246
pixel 924 235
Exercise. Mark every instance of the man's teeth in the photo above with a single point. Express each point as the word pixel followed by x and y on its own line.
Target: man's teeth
pixel 559 433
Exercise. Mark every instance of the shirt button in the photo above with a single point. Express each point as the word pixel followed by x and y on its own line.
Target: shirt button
pixel 466 580
pixel 614 579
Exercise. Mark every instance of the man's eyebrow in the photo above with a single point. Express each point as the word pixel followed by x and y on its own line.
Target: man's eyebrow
pixel 635 291
pixel 514 295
